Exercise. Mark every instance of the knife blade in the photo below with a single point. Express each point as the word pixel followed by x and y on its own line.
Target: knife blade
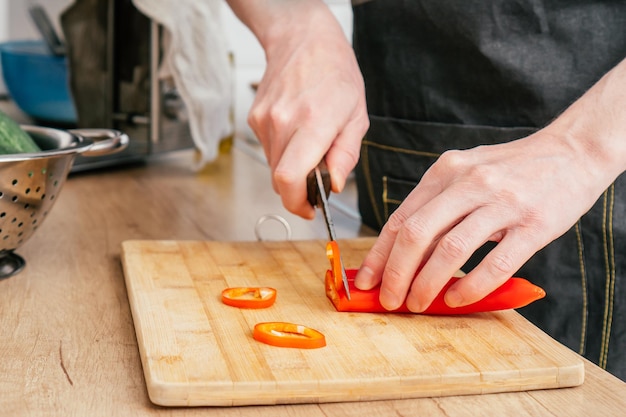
pixel 318 190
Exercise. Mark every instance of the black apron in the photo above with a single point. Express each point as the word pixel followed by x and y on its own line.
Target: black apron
pixel 443 74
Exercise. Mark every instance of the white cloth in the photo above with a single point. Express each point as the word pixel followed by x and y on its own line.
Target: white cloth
pixel 196 56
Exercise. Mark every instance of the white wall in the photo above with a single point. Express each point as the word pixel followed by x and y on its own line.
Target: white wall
pixel 4 34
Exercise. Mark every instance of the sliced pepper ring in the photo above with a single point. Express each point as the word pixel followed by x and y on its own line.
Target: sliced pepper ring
pixel 249 297
pixel 292 335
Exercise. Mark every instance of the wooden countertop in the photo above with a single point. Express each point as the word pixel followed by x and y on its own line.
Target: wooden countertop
pixel 67 339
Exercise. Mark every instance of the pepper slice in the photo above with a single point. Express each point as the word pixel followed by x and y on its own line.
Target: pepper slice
pixel 249 297
pixel 292 335
pixel 514 293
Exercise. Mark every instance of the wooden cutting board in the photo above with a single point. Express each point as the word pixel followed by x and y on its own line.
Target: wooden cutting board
pixel 197 351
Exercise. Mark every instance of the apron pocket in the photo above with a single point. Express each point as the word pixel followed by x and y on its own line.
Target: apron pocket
pixel 394 192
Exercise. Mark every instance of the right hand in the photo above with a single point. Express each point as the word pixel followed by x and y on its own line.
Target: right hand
pixel 310 103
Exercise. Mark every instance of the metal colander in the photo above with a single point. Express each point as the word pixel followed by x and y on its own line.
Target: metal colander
pixel 30 183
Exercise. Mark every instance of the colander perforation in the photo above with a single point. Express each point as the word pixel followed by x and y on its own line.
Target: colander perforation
pixel 27 194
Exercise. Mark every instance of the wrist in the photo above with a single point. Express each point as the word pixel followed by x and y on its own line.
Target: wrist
pixel 595 126
pixel 276 22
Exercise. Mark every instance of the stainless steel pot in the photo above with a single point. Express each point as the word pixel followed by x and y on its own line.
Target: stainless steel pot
pixel 30 183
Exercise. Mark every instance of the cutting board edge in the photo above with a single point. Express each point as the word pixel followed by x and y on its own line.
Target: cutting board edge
pixel 136 316
pixel 195 395
pixel 573 375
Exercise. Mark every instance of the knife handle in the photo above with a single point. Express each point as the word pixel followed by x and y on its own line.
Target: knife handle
pixel 311 184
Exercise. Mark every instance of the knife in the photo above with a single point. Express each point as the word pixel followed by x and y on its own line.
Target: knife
pixel 318 190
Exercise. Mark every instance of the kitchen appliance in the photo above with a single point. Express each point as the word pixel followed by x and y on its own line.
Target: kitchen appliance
pixel 114 54
pixel 196 351
pixel 30 183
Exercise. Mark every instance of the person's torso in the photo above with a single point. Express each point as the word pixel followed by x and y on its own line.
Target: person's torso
pixel 486 62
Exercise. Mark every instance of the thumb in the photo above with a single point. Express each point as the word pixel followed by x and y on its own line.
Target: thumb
pixel 343 154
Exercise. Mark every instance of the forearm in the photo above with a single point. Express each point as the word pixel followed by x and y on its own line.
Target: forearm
pixel 271 20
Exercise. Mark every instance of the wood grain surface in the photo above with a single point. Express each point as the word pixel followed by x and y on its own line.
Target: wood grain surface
pixel 197 351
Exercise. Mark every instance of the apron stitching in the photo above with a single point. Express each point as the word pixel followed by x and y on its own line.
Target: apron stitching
pixel 583 276
pixel 385 207
pixel 402 150
pixel 601 361
pixel 394 201
pixel 611 273
pixel 368 180
pixel 386 199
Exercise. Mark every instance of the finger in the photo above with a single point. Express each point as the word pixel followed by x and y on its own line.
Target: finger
pixel 415 242
pixel 318 130
pixel 343 155
pixel 257 118
pixel 260 123
pixel 451 252
pixel 499 265
pixel 370 273
pixel 305 150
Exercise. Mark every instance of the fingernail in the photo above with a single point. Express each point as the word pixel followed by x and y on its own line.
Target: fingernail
pixel 338 178
pixel 389 300
pixel 414 306
pixel 453 298
pixel 364 278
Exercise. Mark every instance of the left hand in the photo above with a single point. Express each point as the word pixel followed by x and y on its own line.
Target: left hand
pixel 521 194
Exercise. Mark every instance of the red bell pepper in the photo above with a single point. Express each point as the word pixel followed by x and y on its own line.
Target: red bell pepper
pixel 514 293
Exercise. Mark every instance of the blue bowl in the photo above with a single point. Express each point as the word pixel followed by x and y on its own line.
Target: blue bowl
pixel 38 81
